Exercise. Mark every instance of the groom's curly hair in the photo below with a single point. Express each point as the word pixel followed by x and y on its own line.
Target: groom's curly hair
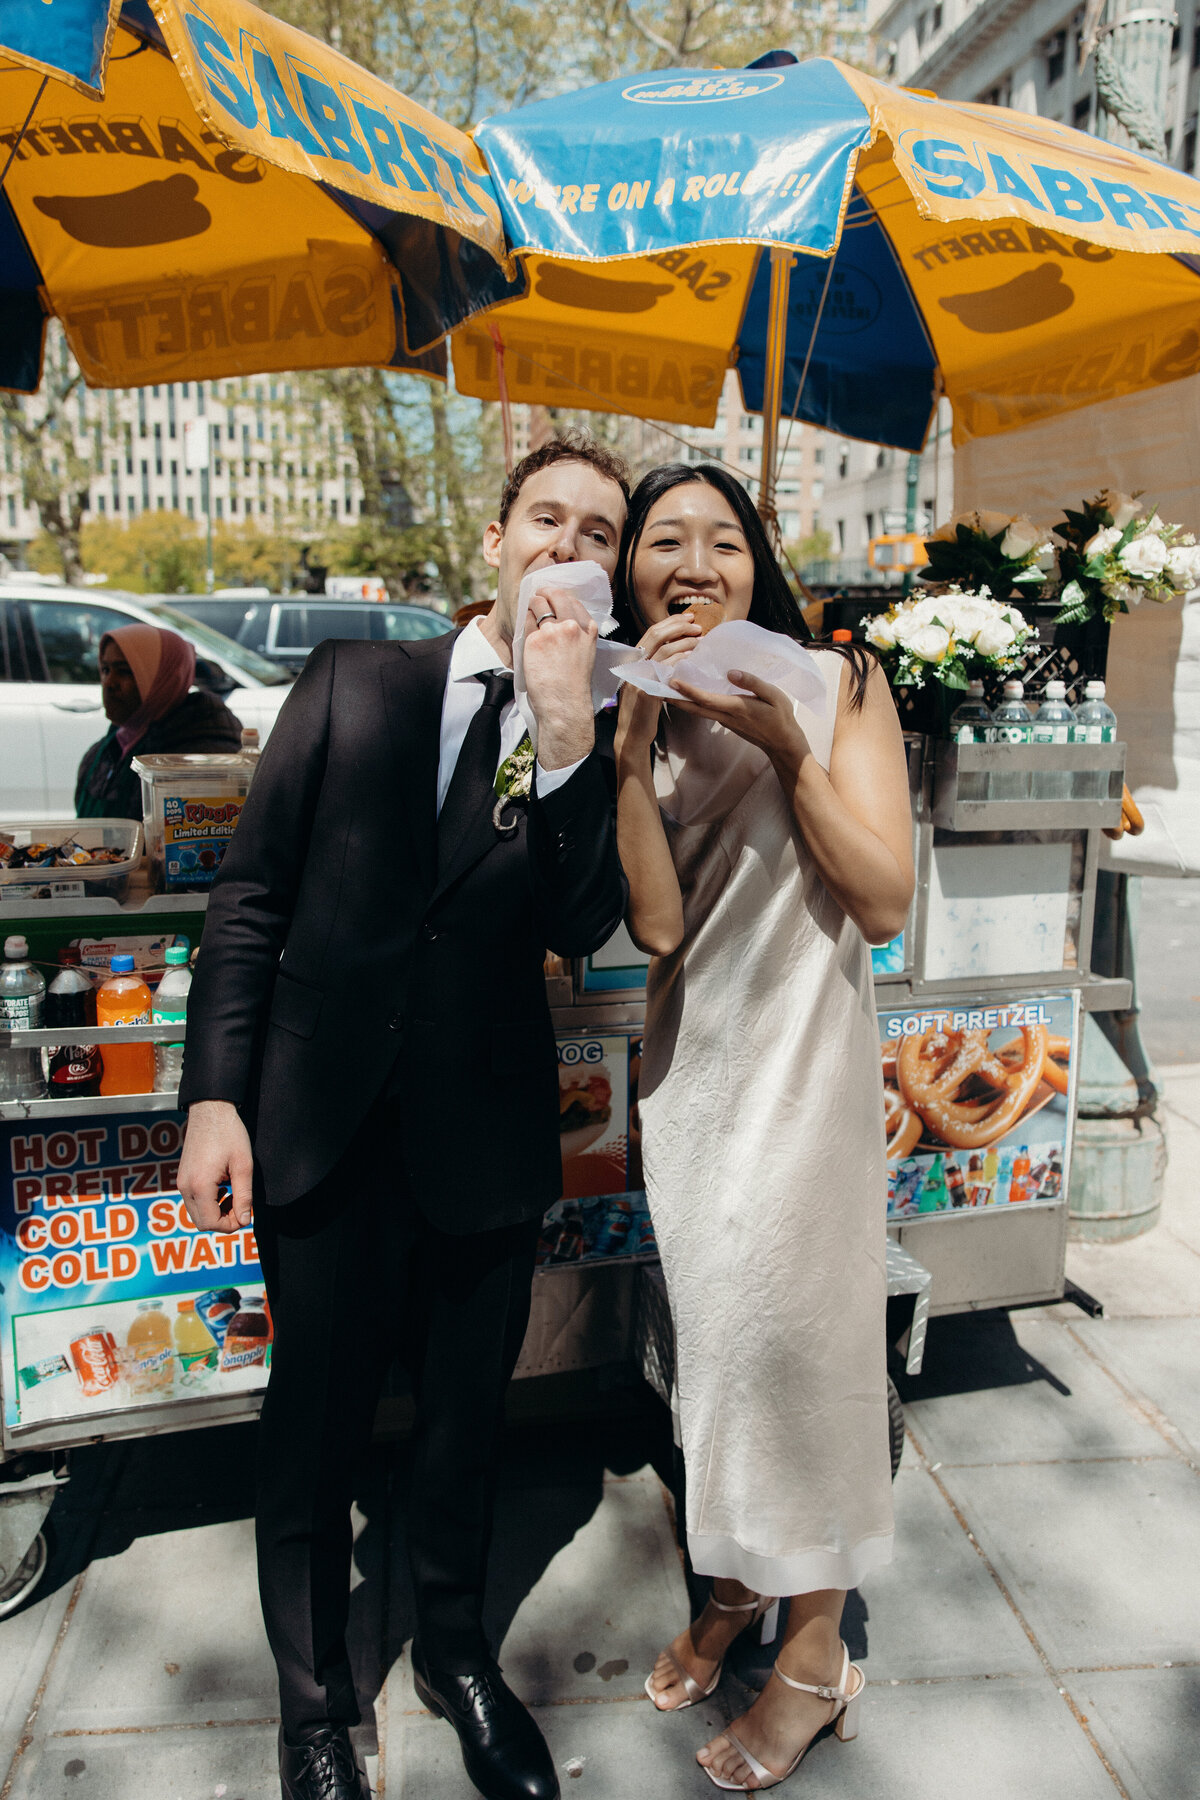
pixel 571 446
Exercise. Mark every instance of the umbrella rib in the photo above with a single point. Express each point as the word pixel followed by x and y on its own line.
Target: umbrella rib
pixel 812 339
pixel 16 143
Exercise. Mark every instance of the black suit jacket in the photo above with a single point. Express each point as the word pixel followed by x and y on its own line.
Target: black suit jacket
pixel 337 961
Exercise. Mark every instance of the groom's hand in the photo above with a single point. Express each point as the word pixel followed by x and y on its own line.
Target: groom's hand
pixel 216 1156
pixel 558 657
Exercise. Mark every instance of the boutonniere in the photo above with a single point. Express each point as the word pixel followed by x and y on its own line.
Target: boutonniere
pixel 514 781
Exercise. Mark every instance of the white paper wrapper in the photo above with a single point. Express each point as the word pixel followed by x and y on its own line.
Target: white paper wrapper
pixel 736 644
pixel 589 583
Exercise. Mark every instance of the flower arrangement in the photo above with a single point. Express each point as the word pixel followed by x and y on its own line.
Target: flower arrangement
pixel 1116 554
pixel 514 779
pixel 953 636
pixel 991 550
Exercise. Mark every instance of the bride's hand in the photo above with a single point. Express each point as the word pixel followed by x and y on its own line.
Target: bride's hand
pixel 666 642
pixel 763 716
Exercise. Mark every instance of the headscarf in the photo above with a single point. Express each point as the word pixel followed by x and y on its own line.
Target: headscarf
pixel 163 666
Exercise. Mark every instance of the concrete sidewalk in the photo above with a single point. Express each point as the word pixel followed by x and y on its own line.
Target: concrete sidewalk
pixel 1038 1636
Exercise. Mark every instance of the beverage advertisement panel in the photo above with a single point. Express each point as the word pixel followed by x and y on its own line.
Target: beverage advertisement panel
pixel 979 1097
pixel 603 1210
pixel 110 1300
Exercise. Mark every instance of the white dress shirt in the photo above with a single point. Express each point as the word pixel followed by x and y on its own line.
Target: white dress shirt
pixel 473 655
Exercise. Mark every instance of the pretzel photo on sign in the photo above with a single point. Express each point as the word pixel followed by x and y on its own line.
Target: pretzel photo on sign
pixel 967 1094
pixel 904 1126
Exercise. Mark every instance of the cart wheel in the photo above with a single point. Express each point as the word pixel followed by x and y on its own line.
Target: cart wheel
pixel 28 1573
pixel 895 1424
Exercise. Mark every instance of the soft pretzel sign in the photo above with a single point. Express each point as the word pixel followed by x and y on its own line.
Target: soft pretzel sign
pixel 978 1104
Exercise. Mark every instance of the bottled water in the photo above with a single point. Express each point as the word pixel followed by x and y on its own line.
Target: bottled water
pixel 1053 724
pixel 170 1005
pixel 1095 723
pixel 22 1000
pixel 970 722
pixel 1012 723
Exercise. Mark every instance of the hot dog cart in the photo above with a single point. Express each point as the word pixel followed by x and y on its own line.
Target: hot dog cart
pixel 979 1004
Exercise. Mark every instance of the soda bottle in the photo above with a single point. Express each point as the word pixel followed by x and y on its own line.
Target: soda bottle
pixel 1095 723
pixel 991 1174
pixel 1020 1175
pixel 246 1337
pixel 934 1197
pixel 1004 1179
pixel 71 996
pixel 195 1348
pixel 22 1002
pixel 75 1069
pixel 955 1183
pixel 170 1007
pixel 1012 723
pixel 124 999
pixel 1053 723
pixel 970 722
pixel 149 1349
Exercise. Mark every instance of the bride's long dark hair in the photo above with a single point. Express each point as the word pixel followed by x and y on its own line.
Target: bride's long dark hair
pixel 773 605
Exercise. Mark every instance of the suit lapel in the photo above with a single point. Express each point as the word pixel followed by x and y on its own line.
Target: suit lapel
pixel 414 684
pixel 479 837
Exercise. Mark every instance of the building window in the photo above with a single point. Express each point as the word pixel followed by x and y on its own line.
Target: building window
pixel 840 528
pixel 819 456
pixel 869 521
pixel 12 512
pixel 843 462
pixel 162 503
pixel 1081 113
pixel 158 460
pixel 143 428
pixel 220 507
pixel 1196 44
pixel 101 503
pixel 1175 38
pixel 232 504
pixel 881 458
pixel 130 505
pixel 922 28
pixel 1056 56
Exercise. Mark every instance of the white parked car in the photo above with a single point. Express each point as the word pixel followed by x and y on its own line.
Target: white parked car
pixel 50 705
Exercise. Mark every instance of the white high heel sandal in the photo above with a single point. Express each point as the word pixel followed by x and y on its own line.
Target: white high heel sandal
pixel 764 1607
pixel 844 1722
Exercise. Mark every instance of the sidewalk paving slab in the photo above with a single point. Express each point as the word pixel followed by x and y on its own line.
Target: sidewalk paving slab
pixel 1034 1396
pixel 1158 1360
pixel 158 1637
pixel 1102 1558
pixel 935 1610
pixel 1147 1722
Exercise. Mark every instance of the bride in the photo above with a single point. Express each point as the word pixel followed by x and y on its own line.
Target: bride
pixel 767 843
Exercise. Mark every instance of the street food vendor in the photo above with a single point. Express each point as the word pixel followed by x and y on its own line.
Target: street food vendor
pixel 146 676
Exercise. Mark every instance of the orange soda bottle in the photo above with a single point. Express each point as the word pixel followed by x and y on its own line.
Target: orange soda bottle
pixel 124 999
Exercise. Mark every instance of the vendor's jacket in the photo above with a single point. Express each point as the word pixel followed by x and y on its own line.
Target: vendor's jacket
pixel 338 963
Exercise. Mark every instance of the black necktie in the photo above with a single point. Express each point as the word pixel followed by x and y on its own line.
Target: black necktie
pixel 472 785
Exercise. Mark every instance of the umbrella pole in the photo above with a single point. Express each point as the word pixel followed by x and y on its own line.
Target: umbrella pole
pixel 777 312
pixel 505 405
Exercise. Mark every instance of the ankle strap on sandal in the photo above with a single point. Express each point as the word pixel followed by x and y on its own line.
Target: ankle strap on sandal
pixel 823 1691
pixel 741 1606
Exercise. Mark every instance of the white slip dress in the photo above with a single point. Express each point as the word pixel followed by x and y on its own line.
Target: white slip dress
pixel 763 1142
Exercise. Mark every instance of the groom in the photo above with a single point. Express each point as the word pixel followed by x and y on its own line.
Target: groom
pixel 370 1058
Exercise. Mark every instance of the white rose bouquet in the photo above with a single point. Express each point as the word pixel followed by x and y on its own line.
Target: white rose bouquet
pixel 1116 554
pixel 993 550
pixel 954 636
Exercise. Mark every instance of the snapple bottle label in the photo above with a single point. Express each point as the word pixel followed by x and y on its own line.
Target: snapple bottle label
pixel 149 1350
pixel 195 1348
pixel 247 1336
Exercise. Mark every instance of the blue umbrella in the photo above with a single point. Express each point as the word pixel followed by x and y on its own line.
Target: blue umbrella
pixel 867 248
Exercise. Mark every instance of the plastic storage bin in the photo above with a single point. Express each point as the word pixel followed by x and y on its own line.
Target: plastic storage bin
pixel 191 806
pixel 97 881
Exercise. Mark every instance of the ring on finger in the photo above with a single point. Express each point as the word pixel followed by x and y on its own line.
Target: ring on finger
pixel 539 619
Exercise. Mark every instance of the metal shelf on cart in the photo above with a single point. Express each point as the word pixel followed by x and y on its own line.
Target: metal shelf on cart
pixel 1097 993
pixel 46 1036
pixel 16 1110
pixel 958 764
pixel 105 907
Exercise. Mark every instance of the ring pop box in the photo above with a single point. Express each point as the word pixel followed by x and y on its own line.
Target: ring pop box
pixel 191 805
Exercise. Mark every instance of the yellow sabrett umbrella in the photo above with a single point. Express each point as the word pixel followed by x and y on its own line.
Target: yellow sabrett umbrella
pixel 226 196
pixel 855 250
